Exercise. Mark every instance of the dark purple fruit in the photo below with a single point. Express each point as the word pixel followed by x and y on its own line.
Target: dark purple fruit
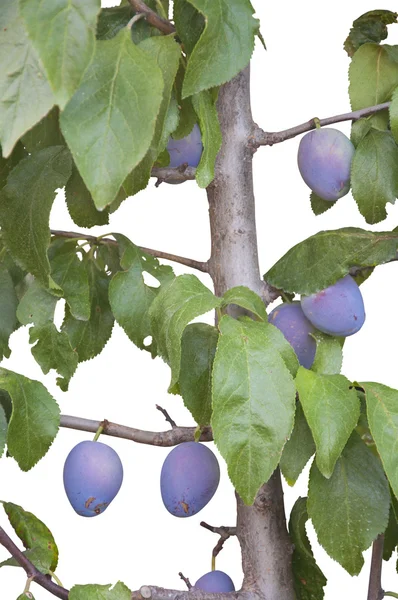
pixel 297 329
pixel 215 581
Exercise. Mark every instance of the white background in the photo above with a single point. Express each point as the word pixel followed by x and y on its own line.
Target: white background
pixel 302 75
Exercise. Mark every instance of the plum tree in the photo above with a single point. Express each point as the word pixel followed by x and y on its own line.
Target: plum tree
pixel 215 581
pixel 186 150
pixel 189 479
pixel 324 160
pixel 337 310
pixel 93 475
pixel 297 329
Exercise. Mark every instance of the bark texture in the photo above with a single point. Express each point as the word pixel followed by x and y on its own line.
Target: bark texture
pixel 261 528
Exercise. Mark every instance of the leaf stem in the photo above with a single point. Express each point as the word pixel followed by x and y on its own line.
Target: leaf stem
pixel 27 586
pixel 56 579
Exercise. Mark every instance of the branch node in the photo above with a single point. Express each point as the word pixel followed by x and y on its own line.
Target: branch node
pixel 145 592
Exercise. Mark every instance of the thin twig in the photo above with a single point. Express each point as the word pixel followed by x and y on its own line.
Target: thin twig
pixel 224 532
pixel 375 591
pixel 153 19
pixel 185 580
pixel 266 138
pixel 166 416
pixel 188 262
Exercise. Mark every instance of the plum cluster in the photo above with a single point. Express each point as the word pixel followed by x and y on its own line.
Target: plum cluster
pixel 337 310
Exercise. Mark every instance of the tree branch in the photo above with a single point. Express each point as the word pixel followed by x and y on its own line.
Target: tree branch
pixel 188 262
pixel 31 571
pixel 224 532
pixel 153 18
pixel 174 174
pixel 172 437
pixel 375 591
pixel 150 592
pixel 265 138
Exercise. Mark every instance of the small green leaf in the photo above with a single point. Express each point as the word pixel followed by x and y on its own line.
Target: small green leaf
pixel 346 517
pixel 189 23
pixel 382 412
pixel 369 27
pixel 32 532
pixel 100 592
pixel 373 75
pixel 70 274
pixel 329 354
pixel 34 420
pixel 130 297
pixel 80 203
pixel 3 429
pixel 112 20
pixel 25 205
pixel 393 112
pixel 225 46
pixel 253 403
pixel 332 409
pixel 298 449
pixel 21 79
pixel 198 347
pixel 206 110
pixel 110 121
pixel 173 308
pixel 8 312
pixel 244 297
pixel 54 351
pixel 374 175
pixel 319 205
pixel 322 259
pixel 37 305
pixel 39 556
pixel 309 580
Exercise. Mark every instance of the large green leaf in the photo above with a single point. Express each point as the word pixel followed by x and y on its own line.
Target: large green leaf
pixel 373 75
pixel 176 305
pixel 332 408
pixel 25 205
pixel 198 347
pixel 34 420
pixel 45 133
pixel 393 113
pixel 21 79
pixel 309 580
pixel 80 203
pixel 382 412
pixel 322 259
pixel 369 27
pixel 33 533
pixel 54 351
pixel 189 23
pixel 329 354
pixel 253 403
pixel 298 449
pixel 3 429
pixel 245 298
pixel 347 518
pixel 8 316
pixel 100 592
pixel 112 20
pixel 130 297
pixel 36 306
pixel 8 164
pixel 225 46
pixel 206 110
pixel 374 174
pixel 110 121
pixel 70 274
pixel 63 33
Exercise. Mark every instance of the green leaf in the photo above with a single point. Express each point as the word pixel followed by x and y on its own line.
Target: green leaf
pixel 80 203
pixel 46 133
pixel 329 354
pixel 8 316
pixel 8 164
pixel 253 403
pixel 34 420
pixel 369 27
pixel 110 121
pixel 70 274
pixel 32 532
pixel 361 127
pixel 100 592
pixel 88 338
pixel 3 429
pixel 63 34
pixel 112 20
pixel 54 351
pixel 189 23
pixel 374 175
pixel 244 297
pixel 373 75
pixel 225 46
pixel 25 205
pixel 390 535
pixel 198 347
pixel 38 556
pixel 206 110
pixel 319 205
pixel 346 517
pixel 382 412
pixel 322 259
pixel 332 408
pixel 393 112
pixel 130 297
pixel 37 305
pixel 21 79
pixel 186 113
pixel 298 449
pixel 173 308
pixel 309 580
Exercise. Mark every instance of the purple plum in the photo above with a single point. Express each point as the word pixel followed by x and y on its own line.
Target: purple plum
pixel 324 161
pixel 186 150
pixel 215 581
pixel 93 474
pixel 297 329
pixel 337 310
pixel 189 479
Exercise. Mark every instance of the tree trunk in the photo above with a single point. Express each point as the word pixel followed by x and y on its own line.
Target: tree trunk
pixel 265 544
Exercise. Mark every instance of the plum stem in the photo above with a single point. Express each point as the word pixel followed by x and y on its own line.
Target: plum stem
pixel 317 123
pixel 99 431
pixel 225 533
pixel 392 594
pixel 213 562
